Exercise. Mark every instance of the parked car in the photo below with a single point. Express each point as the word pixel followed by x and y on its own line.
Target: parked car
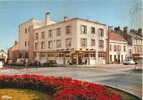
pixel 51 62
pixel 129 62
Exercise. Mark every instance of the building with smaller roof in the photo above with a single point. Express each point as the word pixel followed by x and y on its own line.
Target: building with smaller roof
pixel 13 52
pixel 118 48
pixel 3 55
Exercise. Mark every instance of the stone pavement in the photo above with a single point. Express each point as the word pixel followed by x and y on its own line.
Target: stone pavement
pixel 120 76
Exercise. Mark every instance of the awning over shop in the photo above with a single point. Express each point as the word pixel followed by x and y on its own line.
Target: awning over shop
pixel 138 55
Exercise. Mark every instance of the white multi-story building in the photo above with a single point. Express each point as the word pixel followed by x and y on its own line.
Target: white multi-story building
pixel 137 45
pixel 118 48
pixel 76 40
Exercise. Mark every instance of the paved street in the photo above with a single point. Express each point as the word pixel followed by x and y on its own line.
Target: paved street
pixel 120 76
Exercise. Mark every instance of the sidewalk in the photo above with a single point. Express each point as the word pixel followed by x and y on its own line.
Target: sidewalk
pixel 118 66
pixel 98 65
pixel 95 66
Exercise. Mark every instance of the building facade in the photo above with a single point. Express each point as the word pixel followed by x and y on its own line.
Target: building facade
pixel 134 39
pixel 72 41
pixel 137 47
pixel 13 52
pixel 118 48
pixel 3 56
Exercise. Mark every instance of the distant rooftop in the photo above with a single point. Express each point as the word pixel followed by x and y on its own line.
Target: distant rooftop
pixel 115 36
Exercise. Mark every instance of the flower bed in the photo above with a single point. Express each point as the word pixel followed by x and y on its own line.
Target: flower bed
pixel 60 88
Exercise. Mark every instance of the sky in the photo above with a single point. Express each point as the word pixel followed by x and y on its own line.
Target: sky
pixel 111 12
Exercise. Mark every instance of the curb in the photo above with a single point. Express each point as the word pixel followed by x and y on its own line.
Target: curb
pixel 124 91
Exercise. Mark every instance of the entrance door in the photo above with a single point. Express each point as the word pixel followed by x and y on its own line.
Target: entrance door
pixel 110 58
pixel 115 58
pixel 118 58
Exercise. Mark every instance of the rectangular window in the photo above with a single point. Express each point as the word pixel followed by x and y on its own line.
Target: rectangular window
pixel 36 46
pixel 68 29
pixel 61 55
pixel 50 33
pixel 50 44
pixel 58 44
pixel 101 44
pixel 68 42
pixel 135 49
pixel 110 58
pixel 36 36
pixel 25 43
pixel 115 48
pixel 124 48
pixel 115 59
pixel 43 35
pixel 42 45
pixel 93 30
pixel 110 48
pixel 121 57
pixel 58 31
pixel 26 31
pixel 92 55
pixel 119 48
pixel 92 42
pixel 83 42
pixel 101 32
pixel 42 54
pixel 83 29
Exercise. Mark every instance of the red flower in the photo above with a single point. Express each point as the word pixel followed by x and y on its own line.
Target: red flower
pixel 63 88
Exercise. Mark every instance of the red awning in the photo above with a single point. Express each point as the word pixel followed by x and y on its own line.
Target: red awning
pixel 138 55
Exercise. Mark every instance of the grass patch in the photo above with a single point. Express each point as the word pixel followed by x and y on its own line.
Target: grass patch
pixel 22 94
pixel 124 95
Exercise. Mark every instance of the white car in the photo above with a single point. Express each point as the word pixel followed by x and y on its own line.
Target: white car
pixel 129 62
pixel 1 64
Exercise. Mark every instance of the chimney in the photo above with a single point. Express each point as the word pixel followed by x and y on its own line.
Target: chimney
pixel 66 18
pixel 15 42
pixel 125 30
pixel 140 32
pixel 110 29
pixel 117 29
pixel 47 18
